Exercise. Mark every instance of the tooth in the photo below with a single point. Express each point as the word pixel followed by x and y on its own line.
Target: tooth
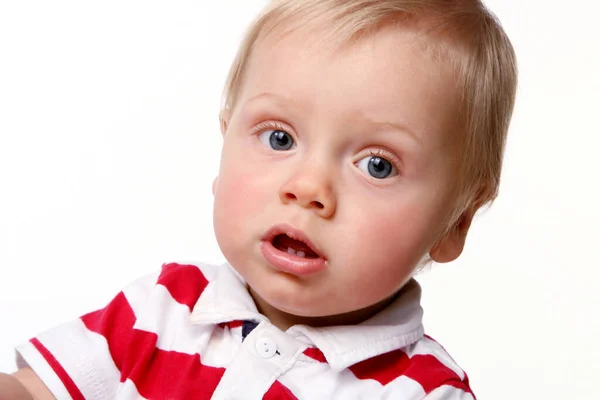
pixel 291 251
pixel 301 254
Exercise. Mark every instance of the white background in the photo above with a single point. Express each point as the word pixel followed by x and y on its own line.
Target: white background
pixel 109 142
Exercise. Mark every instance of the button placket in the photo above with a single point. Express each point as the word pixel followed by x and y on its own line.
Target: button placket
pixel 265 354
pixel 266 347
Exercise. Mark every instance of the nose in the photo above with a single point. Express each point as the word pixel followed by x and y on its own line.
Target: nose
pixel 312 189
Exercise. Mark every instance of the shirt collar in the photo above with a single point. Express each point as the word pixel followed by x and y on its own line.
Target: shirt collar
pixel 226 299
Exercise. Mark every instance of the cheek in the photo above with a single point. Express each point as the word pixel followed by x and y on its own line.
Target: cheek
pixel 241 185
pixel 238 192
pixel 242 194
pixel 236 199
pixel 382 252
pixel 399 235
pixel 234 202
pixel 390 241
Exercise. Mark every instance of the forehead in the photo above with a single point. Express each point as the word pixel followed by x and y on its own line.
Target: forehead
pixel 386 76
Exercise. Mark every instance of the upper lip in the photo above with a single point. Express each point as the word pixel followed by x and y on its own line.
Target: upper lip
pixel 294 233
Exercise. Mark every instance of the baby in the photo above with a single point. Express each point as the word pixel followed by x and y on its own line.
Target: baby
pixel 360 139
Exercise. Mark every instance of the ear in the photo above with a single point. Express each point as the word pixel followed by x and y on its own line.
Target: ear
pixel 450 247
pixel 224 116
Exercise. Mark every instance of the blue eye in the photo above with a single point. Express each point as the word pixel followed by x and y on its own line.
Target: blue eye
pixel 277 139
pixel 377 167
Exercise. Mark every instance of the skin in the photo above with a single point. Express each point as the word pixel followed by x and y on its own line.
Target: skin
pixel 381 95
pixel 23 385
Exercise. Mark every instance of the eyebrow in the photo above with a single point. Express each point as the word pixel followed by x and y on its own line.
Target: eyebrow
pixel 395 126
pixel 285 100
pixel 278 98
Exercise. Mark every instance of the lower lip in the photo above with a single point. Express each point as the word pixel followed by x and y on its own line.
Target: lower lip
pixel 291 263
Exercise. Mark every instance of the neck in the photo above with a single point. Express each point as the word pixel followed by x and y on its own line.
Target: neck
pixel 284 320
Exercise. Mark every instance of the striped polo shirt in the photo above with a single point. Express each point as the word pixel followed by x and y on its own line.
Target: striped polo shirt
pixel 193 332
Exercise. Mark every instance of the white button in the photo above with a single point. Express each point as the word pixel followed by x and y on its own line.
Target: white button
pixel 266 347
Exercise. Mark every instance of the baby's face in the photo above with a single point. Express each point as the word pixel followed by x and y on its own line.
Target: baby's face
pixel 337 172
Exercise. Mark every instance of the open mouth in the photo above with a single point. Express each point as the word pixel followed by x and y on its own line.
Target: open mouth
pixel 290 250
pixel 285 243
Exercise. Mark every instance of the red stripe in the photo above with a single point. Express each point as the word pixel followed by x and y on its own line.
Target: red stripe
pixel 463 385
pixel 384 368
pixel 231 324
pixel 460 384
pixel 425 369
pixel 316 354
pixel 115 323
pixel 161 374
pixel 278 391
pixel 59 370
pixel 431 374
pixel 185 283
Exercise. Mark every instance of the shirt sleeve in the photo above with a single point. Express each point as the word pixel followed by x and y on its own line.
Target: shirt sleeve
pixel 82 359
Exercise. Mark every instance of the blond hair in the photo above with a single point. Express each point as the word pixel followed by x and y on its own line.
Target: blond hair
pixel 461 32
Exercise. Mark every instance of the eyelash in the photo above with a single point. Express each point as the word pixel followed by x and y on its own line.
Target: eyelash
pixel 269 125
pixel 382 153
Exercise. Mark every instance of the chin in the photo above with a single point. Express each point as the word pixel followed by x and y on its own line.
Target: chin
pixel 299 304
pixel 303 312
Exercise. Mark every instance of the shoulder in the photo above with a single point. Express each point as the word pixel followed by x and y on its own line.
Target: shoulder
pixel 433 368
pixel 183 283
pixel 423 368
pixel 87 356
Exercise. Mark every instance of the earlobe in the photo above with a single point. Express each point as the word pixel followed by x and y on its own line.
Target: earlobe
pixel 450 247
pixel 224 116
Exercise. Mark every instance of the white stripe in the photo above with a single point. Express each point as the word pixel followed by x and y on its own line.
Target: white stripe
pixel 28 356
pixel 408 388
pixel 85 357
pixel 449 393
pixel 138 292
pixel 128 391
